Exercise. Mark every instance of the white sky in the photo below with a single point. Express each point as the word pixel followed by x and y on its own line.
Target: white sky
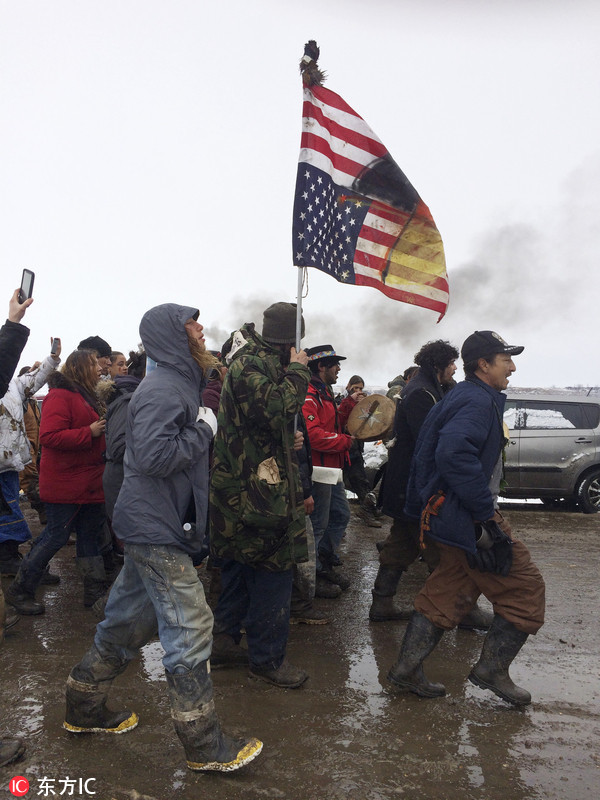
pixel 148 154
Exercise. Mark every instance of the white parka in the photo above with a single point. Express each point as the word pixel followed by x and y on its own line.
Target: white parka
pixel 15 451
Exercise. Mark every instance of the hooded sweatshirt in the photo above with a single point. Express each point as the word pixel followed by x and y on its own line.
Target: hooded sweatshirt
pixel 166 460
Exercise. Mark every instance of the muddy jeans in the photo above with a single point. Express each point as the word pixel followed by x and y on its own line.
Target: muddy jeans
pixel 158 587
pixel 453 588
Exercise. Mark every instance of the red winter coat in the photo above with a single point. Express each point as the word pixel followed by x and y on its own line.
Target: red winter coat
pixel 325 422
pixel 71 466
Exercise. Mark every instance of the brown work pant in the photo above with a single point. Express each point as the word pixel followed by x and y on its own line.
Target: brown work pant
pixel 453 588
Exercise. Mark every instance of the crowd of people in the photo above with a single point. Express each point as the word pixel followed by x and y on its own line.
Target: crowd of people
pixel 242 458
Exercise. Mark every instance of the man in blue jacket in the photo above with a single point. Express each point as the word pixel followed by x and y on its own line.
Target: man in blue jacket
pixel 160 516
pixel 453 488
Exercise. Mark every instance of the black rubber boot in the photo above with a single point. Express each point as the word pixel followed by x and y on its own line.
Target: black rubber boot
pixel 326 589
pixel 8 617
pixel 11 749
pixel 95 583
pixel 419 640
pixel 476 620
pixel 196 724
pixel 382 607
pixel 286 676
pixel 330 573
pixel 88 686
pixel 49 578
pixel 23 601
pixel 226 652
pixel 501 645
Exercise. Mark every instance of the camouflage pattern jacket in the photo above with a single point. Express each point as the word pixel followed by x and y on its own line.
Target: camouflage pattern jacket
pixel 256 499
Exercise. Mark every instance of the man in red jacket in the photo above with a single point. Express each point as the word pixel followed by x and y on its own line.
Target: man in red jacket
pixel 325 422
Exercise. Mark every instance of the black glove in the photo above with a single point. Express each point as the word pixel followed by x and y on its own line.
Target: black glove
pixel 494 549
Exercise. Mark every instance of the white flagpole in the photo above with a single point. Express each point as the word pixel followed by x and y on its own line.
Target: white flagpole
pixel 299 309
pixel 298 325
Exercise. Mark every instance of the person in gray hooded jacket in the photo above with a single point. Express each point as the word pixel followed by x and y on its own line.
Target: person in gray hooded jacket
pixel 160 516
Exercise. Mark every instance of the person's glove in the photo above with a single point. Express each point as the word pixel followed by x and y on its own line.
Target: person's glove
pixel 207 415
pixel 494 549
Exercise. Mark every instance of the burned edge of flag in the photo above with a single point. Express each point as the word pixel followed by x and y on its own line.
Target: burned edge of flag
pixel 356 215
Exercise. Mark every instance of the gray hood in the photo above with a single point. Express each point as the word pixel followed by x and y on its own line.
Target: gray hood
pixel 164 337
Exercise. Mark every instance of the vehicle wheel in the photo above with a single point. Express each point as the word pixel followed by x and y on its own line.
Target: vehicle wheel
pixel 588 493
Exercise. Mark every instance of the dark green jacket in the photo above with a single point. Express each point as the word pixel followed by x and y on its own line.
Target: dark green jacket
pixel 254 520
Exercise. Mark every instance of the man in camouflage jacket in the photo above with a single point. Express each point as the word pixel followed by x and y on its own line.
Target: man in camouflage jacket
pixel 258 529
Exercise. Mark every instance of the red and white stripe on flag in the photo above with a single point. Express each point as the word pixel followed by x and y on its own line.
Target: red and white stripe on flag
pixel 399 249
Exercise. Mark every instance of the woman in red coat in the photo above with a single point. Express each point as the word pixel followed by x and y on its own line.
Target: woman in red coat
pixel 72 439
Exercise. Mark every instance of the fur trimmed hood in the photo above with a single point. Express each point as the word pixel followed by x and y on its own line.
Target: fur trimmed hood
pixel 59 380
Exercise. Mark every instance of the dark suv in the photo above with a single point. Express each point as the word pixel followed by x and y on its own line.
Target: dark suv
pixel 554 450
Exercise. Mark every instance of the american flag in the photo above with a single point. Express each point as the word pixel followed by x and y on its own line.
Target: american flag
pixel 356 215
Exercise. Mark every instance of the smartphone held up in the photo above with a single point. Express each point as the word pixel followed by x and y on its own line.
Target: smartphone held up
pixel 26 290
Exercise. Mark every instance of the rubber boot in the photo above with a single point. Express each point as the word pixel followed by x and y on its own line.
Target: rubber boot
pixel 478 619
pixel 226 652
pixel 331 574
pixel 88 686
pixel 419 640
pixel 286 676
pixel 10 558
pixel 196 724
pixel 325 589
pixel 95 583
pixel 501 645
pixel 23 601
pixel 11 749
pixel 382 607
pixel 367 515
pixel 8 618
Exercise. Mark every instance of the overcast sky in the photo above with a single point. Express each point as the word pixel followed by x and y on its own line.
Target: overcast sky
pixel 148 154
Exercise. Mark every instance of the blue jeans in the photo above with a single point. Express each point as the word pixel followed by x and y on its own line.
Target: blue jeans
pixel 258 599
pixel 157 589
pixel 88 521
pixel 329 519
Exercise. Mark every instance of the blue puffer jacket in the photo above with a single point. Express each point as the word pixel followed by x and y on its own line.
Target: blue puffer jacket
pixel 166 458
pixel 456 453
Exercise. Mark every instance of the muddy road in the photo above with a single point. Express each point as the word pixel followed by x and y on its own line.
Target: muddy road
pixel 347 734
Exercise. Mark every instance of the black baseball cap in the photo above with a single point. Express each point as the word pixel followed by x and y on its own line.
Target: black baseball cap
pixel 486 343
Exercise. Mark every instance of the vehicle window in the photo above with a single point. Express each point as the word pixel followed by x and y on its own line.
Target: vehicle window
pixel 510 414
pixel 540 415
pixel 592 414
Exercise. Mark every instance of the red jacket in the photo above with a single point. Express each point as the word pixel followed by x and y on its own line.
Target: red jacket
pixel 71 466
pixel 325 423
